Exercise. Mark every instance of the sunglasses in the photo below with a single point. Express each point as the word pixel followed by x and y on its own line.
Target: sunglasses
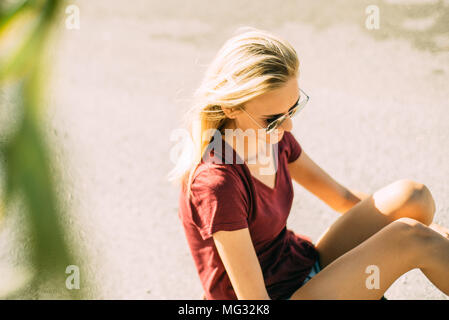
pixel 273 124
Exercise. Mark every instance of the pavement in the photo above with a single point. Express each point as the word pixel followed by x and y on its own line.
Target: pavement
pixel 119 84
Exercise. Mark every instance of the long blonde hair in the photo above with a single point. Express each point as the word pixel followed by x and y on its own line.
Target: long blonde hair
pixel 250 63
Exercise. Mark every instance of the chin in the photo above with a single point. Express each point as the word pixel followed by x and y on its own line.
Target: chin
pixel 275 137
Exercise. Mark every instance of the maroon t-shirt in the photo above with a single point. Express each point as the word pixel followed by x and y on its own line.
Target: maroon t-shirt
pixel 227 197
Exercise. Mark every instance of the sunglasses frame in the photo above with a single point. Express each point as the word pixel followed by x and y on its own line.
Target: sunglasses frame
pixel 273 125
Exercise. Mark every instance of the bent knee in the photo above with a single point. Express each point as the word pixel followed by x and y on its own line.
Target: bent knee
pixel 414 238
pixel 420 205
pixel 408 224
pixel 412 232
pixel 416 200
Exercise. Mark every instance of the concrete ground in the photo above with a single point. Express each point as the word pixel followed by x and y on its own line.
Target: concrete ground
pixel 378 113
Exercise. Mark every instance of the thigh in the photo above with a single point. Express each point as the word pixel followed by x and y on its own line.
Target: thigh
pixel 351 276
pixel 399 199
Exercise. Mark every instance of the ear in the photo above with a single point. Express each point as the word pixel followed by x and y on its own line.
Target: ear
pixel 232 112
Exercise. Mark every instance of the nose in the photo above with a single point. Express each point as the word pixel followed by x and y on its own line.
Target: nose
pixel 287 124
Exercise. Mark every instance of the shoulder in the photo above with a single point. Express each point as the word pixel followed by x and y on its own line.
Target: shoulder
pixel 219 196
pixel 218 178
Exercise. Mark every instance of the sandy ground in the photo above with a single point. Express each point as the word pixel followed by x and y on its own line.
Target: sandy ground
pixel 378 113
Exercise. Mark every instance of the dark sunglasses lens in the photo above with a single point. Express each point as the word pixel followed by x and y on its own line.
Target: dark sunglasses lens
pixel 297 108
pixel 273 125
pixel 292 112
pixel 276 123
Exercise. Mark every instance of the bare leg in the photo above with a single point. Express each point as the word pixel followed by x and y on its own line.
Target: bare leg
pixel 403 198
pixel 401 246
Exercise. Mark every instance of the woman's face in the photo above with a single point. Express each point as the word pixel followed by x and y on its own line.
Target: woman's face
pixel 267 107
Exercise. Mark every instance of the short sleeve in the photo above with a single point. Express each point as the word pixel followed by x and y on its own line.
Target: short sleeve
pixel 219 201
pixel 292 146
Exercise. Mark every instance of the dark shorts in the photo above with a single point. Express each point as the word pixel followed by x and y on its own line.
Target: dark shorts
pixel 315 269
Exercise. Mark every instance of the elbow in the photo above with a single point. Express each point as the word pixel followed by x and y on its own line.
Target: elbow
pixel 348 200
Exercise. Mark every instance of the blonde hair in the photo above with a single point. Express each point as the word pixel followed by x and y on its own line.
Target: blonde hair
pixel 250 63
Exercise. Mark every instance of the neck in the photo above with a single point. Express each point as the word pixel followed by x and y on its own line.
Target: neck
pixel 252 151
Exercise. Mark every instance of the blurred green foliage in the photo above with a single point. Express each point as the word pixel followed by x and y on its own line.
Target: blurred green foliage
pixel 26 156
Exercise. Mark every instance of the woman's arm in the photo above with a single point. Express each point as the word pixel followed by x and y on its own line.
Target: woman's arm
pixel 353 197
pixel 317 181
pixel 239 258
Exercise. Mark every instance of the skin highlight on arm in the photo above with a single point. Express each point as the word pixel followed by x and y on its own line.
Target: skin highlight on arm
pixel 239 258
pixel 317 181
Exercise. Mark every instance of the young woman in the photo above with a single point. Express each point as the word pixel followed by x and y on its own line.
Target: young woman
pixel 234 213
